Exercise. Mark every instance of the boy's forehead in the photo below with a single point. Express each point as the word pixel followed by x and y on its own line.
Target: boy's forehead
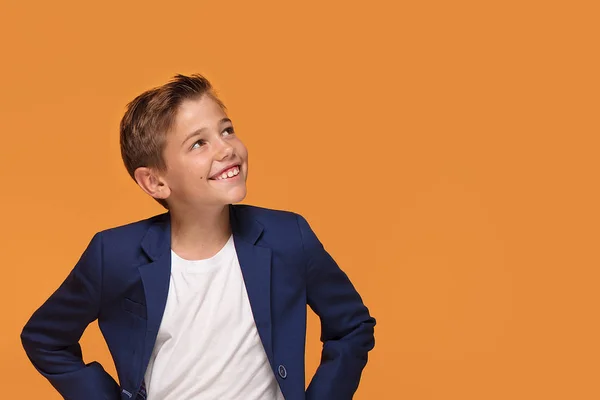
pixel 198 113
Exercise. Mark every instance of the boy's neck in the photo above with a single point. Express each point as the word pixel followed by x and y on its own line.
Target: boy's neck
pixel 199 234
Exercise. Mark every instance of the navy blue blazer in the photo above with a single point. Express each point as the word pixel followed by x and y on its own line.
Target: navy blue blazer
pixel 122 279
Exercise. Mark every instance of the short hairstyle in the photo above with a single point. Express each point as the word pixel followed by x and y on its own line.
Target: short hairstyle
pixel 150 116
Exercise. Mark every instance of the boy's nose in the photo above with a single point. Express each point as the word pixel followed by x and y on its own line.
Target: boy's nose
pixel 224 150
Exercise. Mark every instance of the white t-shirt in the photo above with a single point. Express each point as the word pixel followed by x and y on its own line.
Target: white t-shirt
pixel 208 346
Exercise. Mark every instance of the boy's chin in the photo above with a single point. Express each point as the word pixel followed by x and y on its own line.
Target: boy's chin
pixel 233 196
pixel 237 197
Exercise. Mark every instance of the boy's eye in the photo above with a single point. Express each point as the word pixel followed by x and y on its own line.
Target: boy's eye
pixel 198 142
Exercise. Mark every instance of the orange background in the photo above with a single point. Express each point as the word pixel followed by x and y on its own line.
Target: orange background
pixel 446 154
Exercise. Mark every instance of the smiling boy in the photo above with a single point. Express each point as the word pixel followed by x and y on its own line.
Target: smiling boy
pixel 207 300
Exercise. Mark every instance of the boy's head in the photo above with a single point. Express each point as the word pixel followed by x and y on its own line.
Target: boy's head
pixel 175 141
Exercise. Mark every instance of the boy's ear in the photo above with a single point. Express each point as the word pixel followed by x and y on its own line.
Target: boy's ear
pixel 152 183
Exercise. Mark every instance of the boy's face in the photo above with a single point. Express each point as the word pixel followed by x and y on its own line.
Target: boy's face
pixel 200 145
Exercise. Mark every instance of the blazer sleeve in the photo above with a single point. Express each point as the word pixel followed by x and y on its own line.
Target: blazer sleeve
pixel 347 329
pixel 51 336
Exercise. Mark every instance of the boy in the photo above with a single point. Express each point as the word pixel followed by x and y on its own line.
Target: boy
pixel 208 300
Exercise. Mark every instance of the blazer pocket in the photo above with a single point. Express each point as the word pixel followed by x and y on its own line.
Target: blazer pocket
pixel 134 307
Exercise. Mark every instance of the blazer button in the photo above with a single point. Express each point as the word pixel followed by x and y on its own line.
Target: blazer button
pixel 282 371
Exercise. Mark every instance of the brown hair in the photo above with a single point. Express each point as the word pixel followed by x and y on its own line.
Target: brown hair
pixel 150 116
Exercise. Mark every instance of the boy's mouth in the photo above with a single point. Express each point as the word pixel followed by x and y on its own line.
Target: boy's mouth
pixel 228 173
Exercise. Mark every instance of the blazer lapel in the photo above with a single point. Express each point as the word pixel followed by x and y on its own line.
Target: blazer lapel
pixel 155 278
pixel 255 263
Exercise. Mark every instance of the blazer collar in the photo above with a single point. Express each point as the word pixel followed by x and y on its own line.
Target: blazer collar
pixel 157 239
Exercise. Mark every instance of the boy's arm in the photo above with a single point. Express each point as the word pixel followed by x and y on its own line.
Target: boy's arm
pixel 51 336
pixel 346 326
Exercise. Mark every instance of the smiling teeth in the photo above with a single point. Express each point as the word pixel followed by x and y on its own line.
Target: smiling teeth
pixel 232 172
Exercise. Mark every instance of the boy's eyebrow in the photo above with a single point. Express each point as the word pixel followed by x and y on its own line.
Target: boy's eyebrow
pixel 201 130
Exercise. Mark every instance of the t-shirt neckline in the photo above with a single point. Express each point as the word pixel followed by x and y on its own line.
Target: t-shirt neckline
pixel 206 262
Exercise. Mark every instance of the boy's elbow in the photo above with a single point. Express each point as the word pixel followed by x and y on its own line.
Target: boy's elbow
pixel 28 343
pixel 30 348
pixel 32 341
pixel 369 328
pixel 24 336
pixel 362 336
